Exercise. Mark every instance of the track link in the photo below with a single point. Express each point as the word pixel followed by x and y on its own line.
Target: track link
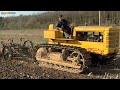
pixel 62 67
pixel 58 67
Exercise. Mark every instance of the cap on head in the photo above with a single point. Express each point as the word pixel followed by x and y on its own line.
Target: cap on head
pixel 60 16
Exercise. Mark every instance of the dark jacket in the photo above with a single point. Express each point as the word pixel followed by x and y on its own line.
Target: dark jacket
pixel 65 25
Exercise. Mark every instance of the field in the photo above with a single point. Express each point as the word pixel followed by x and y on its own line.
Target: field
pixel 36 36
pixel 28 69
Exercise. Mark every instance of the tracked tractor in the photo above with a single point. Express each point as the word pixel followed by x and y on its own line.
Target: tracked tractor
pixel 89 45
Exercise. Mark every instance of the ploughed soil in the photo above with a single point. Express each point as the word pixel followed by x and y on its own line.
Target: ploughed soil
pixel 29 69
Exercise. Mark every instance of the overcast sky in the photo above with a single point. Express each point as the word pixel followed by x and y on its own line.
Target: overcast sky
pixel 17 13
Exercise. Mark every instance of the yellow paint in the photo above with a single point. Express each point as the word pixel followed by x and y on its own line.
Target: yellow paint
pixel 52 34
pixel 51 27
pixel 59 63
pixel 109 36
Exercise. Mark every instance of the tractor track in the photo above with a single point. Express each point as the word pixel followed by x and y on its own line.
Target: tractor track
pixel 27 69
pixel 30 69
pixel 62 67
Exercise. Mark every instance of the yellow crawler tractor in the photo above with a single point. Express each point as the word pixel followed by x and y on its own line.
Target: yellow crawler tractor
pixel 88 45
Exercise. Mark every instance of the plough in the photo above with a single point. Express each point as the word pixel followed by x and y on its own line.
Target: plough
pixel 12 50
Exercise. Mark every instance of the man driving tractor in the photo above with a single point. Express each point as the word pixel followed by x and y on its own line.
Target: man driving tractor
pixel 64 25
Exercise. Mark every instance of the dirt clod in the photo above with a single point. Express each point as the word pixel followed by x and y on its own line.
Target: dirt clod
pixel 28 69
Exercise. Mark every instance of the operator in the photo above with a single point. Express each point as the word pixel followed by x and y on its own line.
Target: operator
pixel 64 25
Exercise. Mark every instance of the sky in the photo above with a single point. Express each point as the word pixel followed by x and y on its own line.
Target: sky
pixel 17 13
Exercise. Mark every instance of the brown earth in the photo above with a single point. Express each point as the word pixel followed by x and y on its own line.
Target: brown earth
pixel 18 69
pixel 28 69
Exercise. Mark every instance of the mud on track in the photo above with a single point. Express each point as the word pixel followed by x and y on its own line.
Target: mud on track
pixel 28 69
pixel 18 69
